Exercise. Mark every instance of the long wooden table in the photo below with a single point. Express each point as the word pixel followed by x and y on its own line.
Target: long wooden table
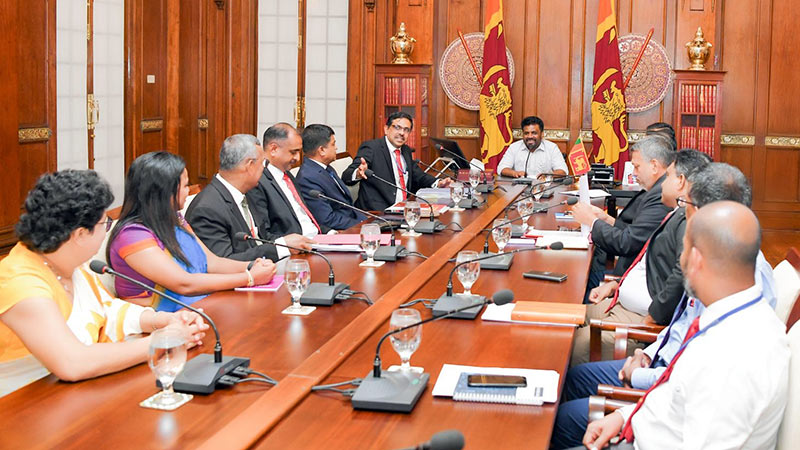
pixel 298 351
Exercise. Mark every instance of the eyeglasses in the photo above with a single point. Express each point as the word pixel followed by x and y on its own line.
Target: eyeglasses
pixel 108 221
pixel 682 202
pixel 403 129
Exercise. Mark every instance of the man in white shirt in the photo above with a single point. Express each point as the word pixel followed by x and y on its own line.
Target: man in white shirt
pixel 728 387
pixel 532 156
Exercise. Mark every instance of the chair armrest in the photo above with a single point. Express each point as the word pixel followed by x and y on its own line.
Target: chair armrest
pixel 623 332
pixel 619 393
pixel 599 406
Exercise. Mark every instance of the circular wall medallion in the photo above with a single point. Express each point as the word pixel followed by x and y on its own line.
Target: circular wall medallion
pixel 653 76
pixel 456 74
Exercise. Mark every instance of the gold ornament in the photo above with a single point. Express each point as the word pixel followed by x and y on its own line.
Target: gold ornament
pixel 698 50
pixel 402 45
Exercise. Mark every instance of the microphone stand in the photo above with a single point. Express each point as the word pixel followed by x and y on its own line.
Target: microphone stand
pixel 317 294
pixel 482 188
pixel 390 253
pixel 201 373
pixel 422 226
pixel 399 391
pixel 428 166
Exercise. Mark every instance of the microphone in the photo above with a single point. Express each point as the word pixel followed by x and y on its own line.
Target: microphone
pixel 443 440
pixel 505 262
pixel 482 188
pixel 428 166
pixel 470 306
pixel 317 293
pixel 562 182
pixel 200 374
pixel 384 253
pixel 399 391
pixel 422 226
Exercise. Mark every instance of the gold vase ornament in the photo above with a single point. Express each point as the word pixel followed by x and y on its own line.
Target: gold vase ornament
pixel 698 50
pixel 402 45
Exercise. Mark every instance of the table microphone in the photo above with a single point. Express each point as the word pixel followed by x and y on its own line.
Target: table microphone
pixel 422 226
pixel 443 440
pixel 562 182
pixel 467 203
pixel 389 252
pixel 504 263
pixel 200 374
pixel 399 391
pixel 482 188
pixel 471 305
pixel 318 294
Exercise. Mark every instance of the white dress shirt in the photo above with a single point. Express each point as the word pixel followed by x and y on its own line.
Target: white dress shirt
pixel 727 390
pixel 306 224
pixel 547 158
pixel 633 293
pixel 398 195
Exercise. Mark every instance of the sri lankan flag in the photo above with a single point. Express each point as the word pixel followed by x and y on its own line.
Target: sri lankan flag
pixel 495 98
pixel 609 119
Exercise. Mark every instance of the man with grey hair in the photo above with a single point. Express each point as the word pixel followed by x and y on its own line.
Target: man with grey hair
pixel 221 210
pixel 625 236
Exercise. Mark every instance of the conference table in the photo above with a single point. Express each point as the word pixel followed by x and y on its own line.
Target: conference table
pixel 332 344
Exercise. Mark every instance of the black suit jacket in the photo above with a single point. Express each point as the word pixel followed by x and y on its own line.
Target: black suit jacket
pixel 374 195
pixel 215 219
pixel 630 231
pixel 332 215
pixel 663 267
pixel 277 218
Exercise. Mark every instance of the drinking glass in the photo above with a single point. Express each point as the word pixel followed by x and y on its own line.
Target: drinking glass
pixel 474 177
pixel 370 241
pixel 468 273
pixel 501 233
pixel 412 213
pixel 298 276
pixel 537 191
pixel 406 342
pixel 166 357
pixel 525 207
pixel 456 195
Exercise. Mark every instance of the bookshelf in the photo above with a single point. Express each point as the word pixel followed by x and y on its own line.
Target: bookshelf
pixel 698 110
pixel 405 88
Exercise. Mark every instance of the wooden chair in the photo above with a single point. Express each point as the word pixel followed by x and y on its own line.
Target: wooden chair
pixel 789 432
pixel 622 332
pixel 787 279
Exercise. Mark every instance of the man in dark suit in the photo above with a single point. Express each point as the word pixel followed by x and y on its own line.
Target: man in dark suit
pixel 391 159
pixel 316 174
pixel 625 236
pixel 220 210
pixel 276 197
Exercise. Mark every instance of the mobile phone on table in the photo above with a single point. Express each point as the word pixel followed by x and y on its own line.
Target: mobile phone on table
pixel 544 275
pixel 478 380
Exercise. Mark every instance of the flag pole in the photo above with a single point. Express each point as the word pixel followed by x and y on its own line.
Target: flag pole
pixel 469 56
pixel 638 58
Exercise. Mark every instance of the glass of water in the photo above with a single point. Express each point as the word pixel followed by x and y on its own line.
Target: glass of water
pixel 456 195
pixel 537 191
pixel 406 342
pixel 298 276
pixel 474 177
pixel 412 212
pixel 525 207
pixel 166 357
pixel 370 241
pixel 501 233
pixel 469 272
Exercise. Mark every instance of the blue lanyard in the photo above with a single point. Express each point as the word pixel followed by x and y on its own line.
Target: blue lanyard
pixel 718 320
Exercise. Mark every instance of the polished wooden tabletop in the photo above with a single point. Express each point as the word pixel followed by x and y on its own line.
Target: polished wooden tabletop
pixel 303 351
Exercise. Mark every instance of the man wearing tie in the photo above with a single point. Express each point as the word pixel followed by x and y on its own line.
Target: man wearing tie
pixel 391 159
pixel 276 197
pixel 319 150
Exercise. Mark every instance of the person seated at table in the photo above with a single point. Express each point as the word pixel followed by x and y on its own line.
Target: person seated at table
pixel 727 386
pixel 276 198
pixel 55 314
pixel 316 174
pixel 625 235
pixel 391 159
pixel 653 286
pixel 532 155
pixel 716 182
pixel 152 242
pixel 222 209
pixel 662 129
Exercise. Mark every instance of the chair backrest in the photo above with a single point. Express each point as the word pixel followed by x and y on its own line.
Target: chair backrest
pixel 789 432
pixel 787 281
pixel 339 166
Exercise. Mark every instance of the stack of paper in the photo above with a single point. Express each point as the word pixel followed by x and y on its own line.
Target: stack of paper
pixel 342 242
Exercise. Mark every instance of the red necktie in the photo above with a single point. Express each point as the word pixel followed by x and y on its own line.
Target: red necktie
pixel 299 201
pixel 400 176
pixel 635 261
pixel 627 430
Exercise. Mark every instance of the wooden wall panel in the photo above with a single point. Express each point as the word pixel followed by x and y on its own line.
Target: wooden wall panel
pixel 740 61
pixel 784 109
pixel 741 157
pixel 782 182
pixel 552 65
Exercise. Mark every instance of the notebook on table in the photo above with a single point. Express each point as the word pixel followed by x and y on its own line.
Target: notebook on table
pixel 529 395
pixel 542 385
pixel 272 286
